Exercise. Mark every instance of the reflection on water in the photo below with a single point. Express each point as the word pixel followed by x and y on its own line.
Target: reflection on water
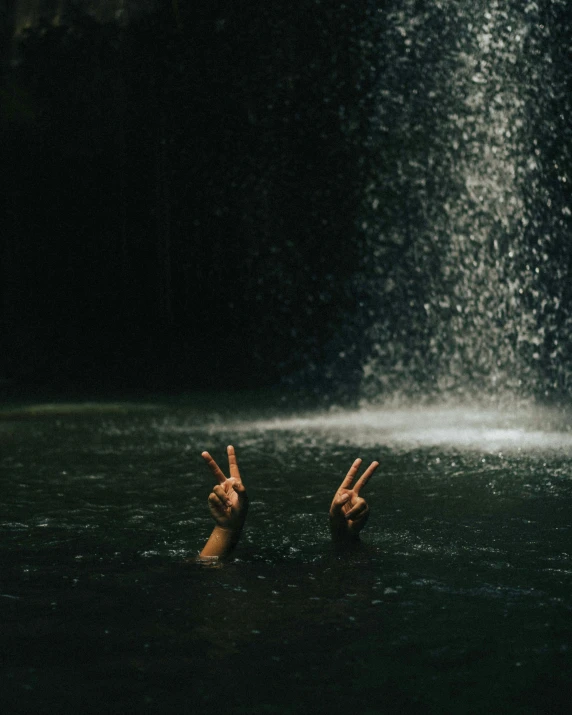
pixel 457 600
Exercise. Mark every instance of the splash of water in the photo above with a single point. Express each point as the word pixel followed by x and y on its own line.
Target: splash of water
pixel 484 430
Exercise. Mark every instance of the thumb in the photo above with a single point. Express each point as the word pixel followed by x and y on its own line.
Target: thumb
pixel 240 489
pixel 339 501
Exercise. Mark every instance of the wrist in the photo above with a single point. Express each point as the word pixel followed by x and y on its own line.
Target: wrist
pixel 227 531
pixel 222 540
pixel 340 531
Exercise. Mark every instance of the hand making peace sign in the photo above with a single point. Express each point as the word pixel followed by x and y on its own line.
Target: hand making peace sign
pixel 349 511
pixel 228 505
pixel 228 501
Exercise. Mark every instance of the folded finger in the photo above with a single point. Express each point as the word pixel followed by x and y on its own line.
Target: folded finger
pixel 216 503
pixel 357 524
pixel 213 466
pixel 232 463
pixel 349 478
pixel 357 510
pixel 366 476
pixel 220 492
pixel 339 500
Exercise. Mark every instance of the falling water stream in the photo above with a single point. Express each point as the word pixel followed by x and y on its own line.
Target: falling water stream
pixel 468 289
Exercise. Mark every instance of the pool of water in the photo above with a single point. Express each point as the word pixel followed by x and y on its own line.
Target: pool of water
pixel 458 599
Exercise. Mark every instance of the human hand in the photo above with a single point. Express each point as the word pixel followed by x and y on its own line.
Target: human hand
pixel 228 501
pixel 349 511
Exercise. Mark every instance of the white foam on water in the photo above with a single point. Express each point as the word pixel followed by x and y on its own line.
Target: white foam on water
pixel 487 430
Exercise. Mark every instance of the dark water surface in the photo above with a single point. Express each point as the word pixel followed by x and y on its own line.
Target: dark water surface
pixel 458 600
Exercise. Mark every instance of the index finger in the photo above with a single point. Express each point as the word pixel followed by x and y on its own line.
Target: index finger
pixel 346 484
pixel 213 466
pixel 365 477
pixel 232 464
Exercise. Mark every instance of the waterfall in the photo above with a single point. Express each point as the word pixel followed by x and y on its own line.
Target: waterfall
pixel 468 305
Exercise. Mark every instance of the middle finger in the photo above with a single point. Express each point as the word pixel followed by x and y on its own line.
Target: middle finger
pixel 365 477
